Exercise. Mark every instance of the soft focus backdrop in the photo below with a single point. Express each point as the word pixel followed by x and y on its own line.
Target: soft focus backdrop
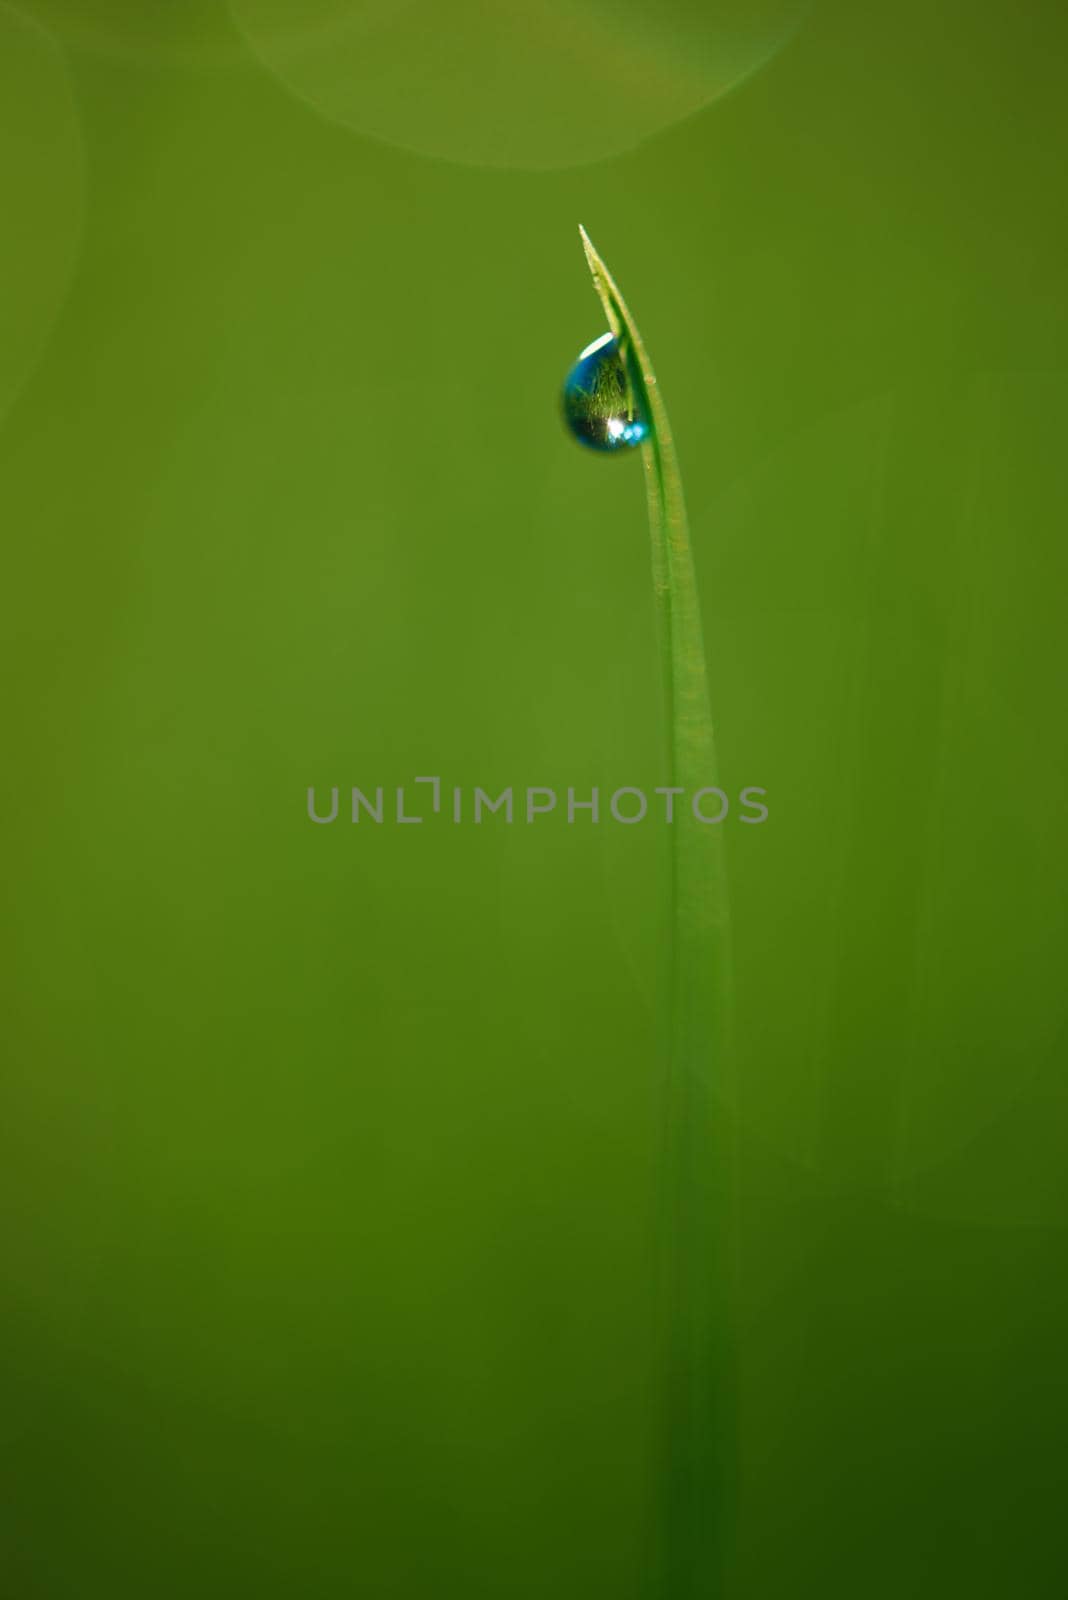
pixel 328 1153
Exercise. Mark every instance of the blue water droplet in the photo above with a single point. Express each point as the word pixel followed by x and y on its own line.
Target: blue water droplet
pixel 600 406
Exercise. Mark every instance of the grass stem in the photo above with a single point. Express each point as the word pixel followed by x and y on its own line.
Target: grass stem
pixel 696 1386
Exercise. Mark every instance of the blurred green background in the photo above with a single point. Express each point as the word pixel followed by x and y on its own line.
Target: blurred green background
pixel 328 1154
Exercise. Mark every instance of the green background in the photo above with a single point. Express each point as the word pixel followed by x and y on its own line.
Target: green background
pixel 328 1154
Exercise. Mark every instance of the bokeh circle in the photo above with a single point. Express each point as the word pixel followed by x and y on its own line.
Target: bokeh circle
pixel 534 84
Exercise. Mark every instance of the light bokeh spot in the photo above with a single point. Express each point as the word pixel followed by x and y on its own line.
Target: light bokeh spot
pixel 543 84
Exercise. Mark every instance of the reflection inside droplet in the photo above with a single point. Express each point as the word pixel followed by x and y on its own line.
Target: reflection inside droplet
pixel 600 406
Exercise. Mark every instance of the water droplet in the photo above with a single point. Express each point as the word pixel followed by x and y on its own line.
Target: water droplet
pixel 599 405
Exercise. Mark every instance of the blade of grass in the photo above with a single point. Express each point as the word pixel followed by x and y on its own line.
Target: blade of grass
pixel 696 1384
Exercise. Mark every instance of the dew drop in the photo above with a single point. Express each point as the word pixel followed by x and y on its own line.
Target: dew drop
pixel 600 407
